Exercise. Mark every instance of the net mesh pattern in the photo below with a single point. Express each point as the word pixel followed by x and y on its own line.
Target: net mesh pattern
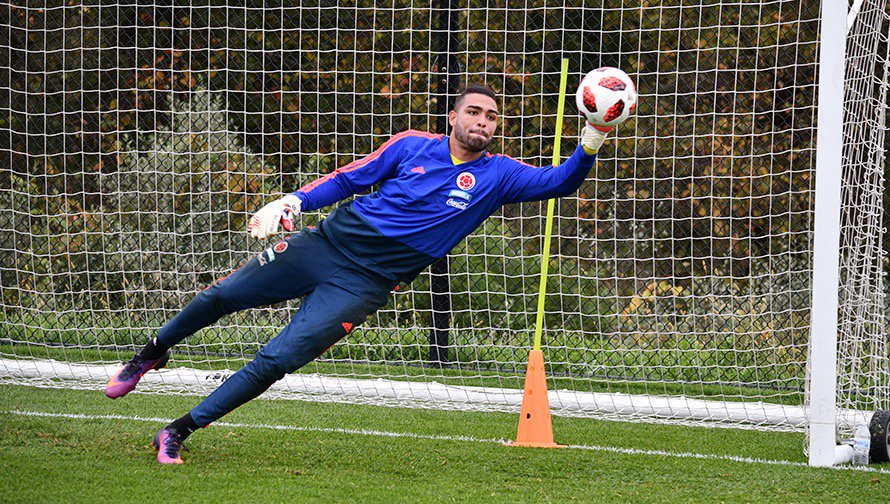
pixel 863 329
pixel 137 139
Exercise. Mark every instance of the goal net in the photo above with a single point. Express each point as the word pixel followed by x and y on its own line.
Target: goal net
pixel 864 318
pixel 137 139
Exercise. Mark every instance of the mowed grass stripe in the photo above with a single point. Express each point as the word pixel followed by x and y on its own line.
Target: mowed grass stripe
pixel 328 452
pixel 373 432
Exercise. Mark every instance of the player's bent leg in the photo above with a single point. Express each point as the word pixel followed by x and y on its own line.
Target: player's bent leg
pixel 326 315
pixel 336 305
pixel 287 270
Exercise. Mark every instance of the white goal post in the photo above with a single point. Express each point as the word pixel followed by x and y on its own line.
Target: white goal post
pixel 822 357
pixel 724 264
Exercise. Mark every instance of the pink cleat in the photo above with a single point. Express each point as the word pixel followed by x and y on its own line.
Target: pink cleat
pixel 168 442
pixel 124 381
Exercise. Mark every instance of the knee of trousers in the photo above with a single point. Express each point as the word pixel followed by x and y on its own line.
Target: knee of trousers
pixel 290 354
pixel 268 368
pixel 218 299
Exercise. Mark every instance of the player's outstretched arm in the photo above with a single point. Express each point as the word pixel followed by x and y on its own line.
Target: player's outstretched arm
pixel 333 187
pixel 522 182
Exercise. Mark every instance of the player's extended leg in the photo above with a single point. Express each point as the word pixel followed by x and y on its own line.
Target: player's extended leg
pixel 326 315
pixel 287 270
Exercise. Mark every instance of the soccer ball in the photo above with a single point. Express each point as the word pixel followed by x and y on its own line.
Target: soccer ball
pixel 606 97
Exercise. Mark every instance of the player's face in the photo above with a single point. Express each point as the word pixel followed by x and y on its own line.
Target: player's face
pixel 474 122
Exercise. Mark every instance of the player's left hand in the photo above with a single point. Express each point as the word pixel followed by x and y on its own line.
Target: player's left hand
pixel 592 137
pixel 265 222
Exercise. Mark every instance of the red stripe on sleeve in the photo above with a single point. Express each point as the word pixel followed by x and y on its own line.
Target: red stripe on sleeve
pixel 518 161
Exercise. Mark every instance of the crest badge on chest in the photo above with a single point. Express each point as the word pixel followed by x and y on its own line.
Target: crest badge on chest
pixel 466 181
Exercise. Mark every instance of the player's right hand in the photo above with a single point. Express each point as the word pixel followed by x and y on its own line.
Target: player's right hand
pixel 265 222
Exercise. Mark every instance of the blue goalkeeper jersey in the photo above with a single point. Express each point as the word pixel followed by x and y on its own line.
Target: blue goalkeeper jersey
pixel 425 201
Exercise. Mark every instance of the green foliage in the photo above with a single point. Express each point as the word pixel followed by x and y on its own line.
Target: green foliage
pixel 165 221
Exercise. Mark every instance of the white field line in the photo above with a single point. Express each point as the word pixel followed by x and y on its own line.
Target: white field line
pixel 435 437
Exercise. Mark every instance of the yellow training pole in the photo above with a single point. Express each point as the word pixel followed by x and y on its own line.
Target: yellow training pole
pixel 535 428
pixel 548 229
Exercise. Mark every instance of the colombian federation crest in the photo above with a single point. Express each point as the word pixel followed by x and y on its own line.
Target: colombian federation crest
pixel 466 181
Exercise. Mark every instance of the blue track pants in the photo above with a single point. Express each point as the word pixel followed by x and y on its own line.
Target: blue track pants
pixel 337 295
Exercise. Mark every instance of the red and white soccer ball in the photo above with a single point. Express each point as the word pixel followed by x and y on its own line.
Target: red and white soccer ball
pixel 606 97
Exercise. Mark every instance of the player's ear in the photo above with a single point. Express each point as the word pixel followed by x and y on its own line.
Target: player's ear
pixel 452 118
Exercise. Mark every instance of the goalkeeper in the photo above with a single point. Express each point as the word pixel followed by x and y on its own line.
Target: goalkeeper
pixel 434 190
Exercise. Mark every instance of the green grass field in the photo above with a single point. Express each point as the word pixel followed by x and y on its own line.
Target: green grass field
pixel 98 450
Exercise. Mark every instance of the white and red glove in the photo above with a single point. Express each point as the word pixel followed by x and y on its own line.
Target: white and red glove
pixel 592 137
pixel 265 222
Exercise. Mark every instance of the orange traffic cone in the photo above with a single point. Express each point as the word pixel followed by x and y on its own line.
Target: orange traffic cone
pixel 535 429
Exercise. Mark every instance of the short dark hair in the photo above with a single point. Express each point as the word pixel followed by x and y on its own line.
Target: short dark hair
pixel 474 89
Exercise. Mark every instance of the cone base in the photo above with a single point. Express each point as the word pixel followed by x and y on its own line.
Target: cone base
pixel 534 445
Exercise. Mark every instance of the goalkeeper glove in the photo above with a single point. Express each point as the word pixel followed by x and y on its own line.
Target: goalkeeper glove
pixel 265 222
pixel 592 137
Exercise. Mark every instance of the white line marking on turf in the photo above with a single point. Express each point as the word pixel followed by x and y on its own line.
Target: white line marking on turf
pixel 436 437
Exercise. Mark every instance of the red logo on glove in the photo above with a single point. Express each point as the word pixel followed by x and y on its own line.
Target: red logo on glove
pixel 466 181
pixel 287 218
pixel 280 247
